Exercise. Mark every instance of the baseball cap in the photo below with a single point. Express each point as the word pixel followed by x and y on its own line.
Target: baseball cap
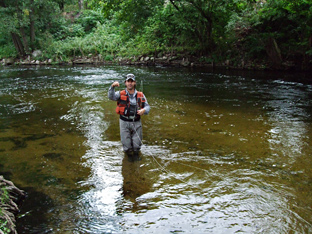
pixel 130 77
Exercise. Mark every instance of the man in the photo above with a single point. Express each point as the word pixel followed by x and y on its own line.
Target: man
pixel 131 105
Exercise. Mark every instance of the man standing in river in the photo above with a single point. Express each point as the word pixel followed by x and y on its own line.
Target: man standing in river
pixel 131 105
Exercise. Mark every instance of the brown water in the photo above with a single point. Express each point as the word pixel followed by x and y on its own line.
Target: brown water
pixel 223 152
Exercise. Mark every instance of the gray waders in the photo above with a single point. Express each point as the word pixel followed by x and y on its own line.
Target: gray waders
pixel 131 135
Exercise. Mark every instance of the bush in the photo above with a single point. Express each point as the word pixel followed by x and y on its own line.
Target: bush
pixel 73 30
pixel 104 40
pixel 89 20
pixel 7 51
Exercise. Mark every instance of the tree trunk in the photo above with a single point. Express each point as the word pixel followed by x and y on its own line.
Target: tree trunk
pixel 61 5
pixel 2 3
pixel 18 44
pixel 80 3
pixel 32 35
pixel 307 64
pixel 274 53
pixel 22 31
pixel 32 26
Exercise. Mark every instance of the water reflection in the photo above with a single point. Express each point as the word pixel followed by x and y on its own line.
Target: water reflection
pixel 136 180
pixel 288 136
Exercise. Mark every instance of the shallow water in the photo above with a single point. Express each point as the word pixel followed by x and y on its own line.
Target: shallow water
pixel 224 152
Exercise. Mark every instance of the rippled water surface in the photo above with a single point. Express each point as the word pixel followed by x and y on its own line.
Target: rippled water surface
pixel 223 152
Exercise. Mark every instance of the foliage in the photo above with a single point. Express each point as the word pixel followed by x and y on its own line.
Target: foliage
pixel 24 19
pixel 73 30
pixel 4 198
pixel 89 19
pixel 288 21
pixel 3 226
pixel 130 15
pixel 215 29
pixel 7 51
pixel 104 40
pixel 158 34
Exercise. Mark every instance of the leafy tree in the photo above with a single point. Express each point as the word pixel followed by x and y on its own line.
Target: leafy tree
pixel 204 19
pixel 222 29
pixel 131 15
pixel 190 23
pixel 12 24
pixel 89 19
pixel 21 19
pixel 288 22
pixel 62 3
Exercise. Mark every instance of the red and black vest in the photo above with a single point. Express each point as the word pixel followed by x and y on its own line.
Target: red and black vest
pixel 123 104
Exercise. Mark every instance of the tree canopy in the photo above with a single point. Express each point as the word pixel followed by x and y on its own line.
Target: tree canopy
pixel 236 30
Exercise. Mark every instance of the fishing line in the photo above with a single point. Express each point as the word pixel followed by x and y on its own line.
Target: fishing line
pixel 160 166
pixel 141 140
pixel 198 168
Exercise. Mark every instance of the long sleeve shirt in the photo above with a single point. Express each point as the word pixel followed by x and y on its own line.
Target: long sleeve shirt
pixel 113 95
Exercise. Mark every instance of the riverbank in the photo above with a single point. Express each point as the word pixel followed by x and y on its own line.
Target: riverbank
pixel 159 60
pixel 10 200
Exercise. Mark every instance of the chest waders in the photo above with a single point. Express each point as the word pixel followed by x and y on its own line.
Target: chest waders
pixel 129 122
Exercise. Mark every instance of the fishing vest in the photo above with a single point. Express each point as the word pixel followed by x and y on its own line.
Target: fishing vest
pixel 123 103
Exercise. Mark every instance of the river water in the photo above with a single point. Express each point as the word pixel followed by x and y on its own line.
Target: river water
pixel 224 152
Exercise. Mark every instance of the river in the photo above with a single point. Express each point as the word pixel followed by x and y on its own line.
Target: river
pixel 224 151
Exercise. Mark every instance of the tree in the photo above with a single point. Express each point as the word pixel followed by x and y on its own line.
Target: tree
pixel 21 18
pixel 205 19
pixel 131 15
pixel 62 3
pixel 289 23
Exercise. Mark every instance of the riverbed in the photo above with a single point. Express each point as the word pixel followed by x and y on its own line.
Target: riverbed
pixel 224 151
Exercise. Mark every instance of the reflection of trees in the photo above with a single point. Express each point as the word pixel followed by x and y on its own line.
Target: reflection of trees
pixel 289 130
pixel 136 179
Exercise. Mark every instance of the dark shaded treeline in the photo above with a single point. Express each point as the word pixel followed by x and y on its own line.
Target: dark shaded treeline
pixel 257 33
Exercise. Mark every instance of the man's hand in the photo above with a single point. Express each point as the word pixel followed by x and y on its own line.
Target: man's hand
pixel 116 83
pixel 141 112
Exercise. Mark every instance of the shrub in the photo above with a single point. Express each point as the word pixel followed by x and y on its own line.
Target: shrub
pixel 103 40
pixel 7 51
pixel 89 19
